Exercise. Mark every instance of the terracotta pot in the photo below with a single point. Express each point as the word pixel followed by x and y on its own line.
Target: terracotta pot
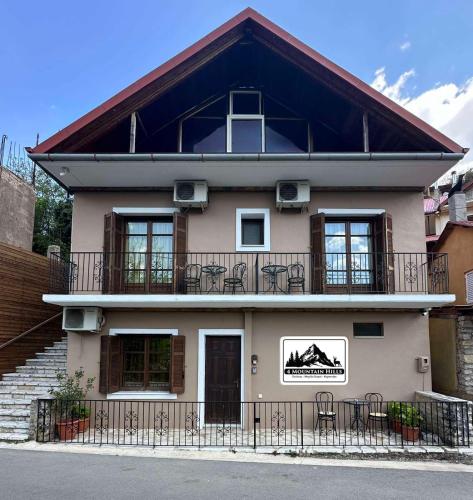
pixel 67 429
pixel 410 434
pixel 83 424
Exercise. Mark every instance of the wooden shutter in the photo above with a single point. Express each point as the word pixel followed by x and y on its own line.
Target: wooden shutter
pixel 110 364
pixel 384 257
pixel 317 249
pixel 180 249
pixel 178 348
pixel 114 229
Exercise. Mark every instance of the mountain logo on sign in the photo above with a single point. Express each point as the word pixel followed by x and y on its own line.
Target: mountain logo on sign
pixel 313 356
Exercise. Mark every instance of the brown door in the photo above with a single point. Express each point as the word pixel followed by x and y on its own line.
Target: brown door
pixel 222 379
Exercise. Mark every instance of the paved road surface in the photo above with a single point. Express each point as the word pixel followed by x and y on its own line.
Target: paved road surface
pixel 48 475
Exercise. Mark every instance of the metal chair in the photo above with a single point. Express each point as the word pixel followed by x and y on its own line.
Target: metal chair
pixel 237 278
pixel 325 413
pixel 192 276
pixel 295 277
pixel 375 411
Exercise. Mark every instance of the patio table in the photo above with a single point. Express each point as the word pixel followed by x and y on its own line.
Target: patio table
pixel 357 422
pixel 214 270
pixel 273 270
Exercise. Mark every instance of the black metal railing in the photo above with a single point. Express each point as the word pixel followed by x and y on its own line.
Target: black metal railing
pixel 255 273
pixel 254 424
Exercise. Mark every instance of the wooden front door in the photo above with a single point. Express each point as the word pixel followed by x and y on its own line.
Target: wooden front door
pixel 222 379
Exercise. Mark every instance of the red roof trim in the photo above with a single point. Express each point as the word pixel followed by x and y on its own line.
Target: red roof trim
pixel 243 16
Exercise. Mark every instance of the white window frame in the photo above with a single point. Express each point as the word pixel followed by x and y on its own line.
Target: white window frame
pixel 469 287
pixel 253 213
pixel 142 395
pixel 256 117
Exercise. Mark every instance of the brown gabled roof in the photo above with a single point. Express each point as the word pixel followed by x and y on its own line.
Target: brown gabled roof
pixel 451 225
pixel 227 33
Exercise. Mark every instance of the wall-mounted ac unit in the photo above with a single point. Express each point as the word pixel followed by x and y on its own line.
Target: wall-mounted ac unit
pixel 191 194
pixel 292 194
pixel 82 319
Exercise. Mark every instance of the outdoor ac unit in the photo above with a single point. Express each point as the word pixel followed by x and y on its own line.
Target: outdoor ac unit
pixel 292 194
pixel 190 194
pixel 82 319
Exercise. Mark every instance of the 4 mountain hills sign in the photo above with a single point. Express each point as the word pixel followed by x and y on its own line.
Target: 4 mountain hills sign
pixel 314 360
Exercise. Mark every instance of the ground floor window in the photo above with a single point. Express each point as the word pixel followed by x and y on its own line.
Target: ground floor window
pixel 146 362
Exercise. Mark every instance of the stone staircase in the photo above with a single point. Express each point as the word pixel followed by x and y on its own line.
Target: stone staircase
pixel 29 382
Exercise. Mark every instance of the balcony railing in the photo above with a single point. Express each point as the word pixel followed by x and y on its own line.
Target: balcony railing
pixel 248 273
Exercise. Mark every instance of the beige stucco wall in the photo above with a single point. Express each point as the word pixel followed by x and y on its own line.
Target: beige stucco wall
pixel 384 365
pixel 214 230
pixel 442 333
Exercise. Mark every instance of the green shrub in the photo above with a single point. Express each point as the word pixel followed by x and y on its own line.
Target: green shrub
pixel 406 413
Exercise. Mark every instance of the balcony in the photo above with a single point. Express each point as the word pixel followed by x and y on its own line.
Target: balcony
pixel 238 274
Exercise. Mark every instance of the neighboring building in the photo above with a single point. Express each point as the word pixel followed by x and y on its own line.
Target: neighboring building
pixel 451 328
pixel 17 202
pixel 247 193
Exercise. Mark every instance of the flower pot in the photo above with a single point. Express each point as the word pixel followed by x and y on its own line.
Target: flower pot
pixel 67 429
pixel 410 433
pixel 83 424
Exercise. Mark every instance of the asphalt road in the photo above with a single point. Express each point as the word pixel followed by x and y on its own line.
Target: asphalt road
pixel 49 475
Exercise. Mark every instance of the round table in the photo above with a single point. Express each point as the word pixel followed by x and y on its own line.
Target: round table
pixel 357 422
pixel 214 270
pixel 272 270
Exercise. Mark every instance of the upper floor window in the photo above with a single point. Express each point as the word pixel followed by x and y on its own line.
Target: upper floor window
pixel 245 121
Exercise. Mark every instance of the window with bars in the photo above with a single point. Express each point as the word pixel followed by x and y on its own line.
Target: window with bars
pixel 146 362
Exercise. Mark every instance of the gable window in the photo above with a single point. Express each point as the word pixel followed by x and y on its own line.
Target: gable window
pixel 252 229
pixel 349 252
pixel 145 362
pixel 244 121
pixel 368 330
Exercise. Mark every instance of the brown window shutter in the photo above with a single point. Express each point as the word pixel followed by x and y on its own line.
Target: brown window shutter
pixel 114 229
pixel 110 364
pixel 317 248
pixel 178 348
pixel 384 261
pixel 180 249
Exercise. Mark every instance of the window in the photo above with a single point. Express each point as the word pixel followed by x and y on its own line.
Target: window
pixel 252 229
pixel 368 330
pixel 146 362
pixel 245 123
pixel 349 252
pixel 469 287
pixel 148 252
pixel 429 224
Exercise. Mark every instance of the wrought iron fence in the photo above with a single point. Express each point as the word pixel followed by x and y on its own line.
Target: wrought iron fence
pixel 259 273
pixel 254 424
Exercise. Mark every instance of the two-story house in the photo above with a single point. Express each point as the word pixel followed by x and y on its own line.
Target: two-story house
pixel 241 203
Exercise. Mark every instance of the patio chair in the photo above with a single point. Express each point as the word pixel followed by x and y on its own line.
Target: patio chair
pixel 325 413
pixel 237 278
pixel 375 411
pixel 295 277
pixel 192 276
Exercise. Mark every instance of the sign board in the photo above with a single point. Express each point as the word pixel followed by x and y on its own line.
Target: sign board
pixel 314 360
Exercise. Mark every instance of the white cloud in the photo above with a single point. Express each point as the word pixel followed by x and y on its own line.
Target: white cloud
pixel 405 46
pixel 447 107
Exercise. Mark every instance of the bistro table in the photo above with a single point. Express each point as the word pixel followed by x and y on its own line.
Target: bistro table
pixel 214 271
pixel 273 270
pixel 357 422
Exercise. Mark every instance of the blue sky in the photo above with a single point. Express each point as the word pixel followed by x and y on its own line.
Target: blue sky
pixel 59 59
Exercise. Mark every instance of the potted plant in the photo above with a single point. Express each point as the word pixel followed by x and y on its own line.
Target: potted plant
pixel 394 414
pixel 411 420
pixel 70 415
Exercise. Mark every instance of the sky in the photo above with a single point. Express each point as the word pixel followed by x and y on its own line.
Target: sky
pixel 60 59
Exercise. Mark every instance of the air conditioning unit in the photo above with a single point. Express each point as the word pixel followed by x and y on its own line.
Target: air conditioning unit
pixel 191 194
pixel 82 319
pixel 292 194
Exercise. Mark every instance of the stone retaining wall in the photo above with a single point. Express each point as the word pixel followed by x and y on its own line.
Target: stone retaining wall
pixel 452 421
pixel 465 354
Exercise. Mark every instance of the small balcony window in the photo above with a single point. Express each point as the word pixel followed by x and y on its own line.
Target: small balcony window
pixel 252 230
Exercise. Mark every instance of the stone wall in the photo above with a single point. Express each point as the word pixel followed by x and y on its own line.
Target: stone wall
pixel 465 354
pixel 17 203
pixel 448 417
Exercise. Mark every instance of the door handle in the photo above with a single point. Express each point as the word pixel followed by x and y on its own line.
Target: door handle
pixel 237 383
